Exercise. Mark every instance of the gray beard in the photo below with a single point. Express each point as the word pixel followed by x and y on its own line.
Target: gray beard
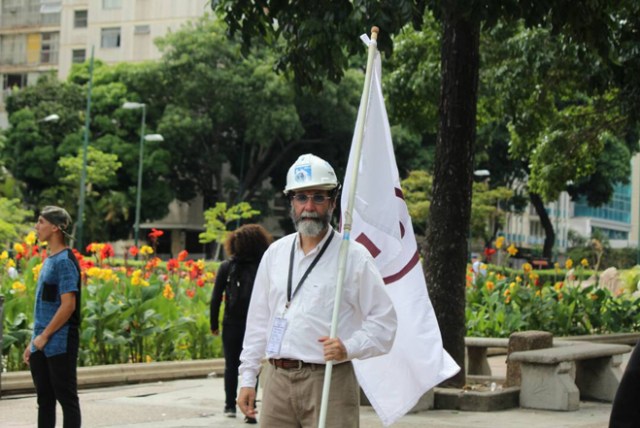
pixel 310 227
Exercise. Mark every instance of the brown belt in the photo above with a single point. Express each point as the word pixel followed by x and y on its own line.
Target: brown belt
pixel 284 363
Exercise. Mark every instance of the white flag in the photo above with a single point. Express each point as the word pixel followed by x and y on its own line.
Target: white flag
pixel 417 362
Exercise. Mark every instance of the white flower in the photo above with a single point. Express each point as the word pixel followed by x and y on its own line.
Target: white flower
pixel 13 272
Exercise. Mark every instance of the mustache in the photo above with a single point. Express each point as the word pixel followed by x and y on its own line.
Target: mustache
pixel 310 215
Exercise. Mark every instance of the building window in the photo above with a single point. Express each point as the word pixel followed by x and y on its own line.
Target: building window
pixel 49 48
pixel 80 19
pixel 78 56
pixel 142 29
pixel 10 81
pixel 617 209
pixel 111 4
pixel 110 38
pixel 13 49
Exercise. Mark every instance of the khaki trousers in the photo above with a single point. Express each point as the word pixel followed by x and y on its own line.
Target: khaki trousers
pixel 291 398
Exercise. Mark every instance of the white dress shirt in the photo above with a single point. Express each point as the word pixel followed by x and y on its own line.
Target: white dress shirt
pixel 366 323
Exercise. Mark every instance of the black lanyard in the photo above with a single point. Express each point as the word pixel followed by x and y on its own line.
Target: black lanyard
pixel 313 263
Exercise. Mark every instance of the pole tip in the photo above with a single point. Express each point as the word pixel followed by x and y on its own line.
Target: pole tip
pixel 374 32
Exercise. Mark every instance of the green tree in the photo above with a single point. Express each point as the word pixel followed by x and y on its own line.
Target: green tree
pixel 222 107
pixel 228 109
pixel 218 218
pixel 13 220
pixel 570 133
pixel 34 148
pixel 417 194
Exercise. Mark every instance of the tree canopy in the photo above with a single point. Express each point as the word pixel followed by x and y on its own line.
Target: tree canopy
pixel 311 49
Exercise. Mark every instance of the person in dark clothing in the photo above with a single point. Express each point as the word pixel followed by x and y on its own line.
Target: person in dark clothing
pixel 234 279
pixel 52 352
pixel 625 412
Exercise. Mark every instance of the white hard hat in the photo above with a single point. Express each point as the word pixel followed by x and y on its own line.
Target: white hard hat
pixel 310 172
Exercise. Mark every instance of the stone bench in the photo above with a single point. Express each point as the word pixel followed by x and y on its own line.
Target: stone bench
pixel 477 363
pixel 557 378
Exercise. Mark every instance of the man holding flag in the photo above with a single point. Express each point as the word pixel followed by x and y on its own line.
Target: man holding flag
pixel 290 314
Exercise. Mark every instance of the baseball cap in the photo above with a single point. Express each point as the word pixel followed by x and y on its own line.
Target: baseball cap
pixel 58 217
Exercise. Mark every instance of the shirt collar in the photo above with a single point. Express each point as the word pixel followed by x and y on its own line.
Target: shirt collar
pixel 317 247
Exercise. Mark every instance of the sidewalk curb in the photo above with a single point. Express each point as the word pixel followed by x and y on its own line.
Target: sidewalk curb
pixel 119 374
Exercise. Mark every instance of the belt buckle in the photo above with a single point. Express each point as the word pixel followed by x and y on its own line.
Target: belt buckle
pixel 300 363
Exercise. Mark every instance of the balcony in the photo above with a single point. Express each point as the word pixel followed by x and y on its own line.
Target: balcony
pixel 22 19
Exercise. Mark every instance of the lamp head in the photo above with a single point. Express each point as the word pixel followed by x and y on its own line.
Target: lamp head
pixel 153 137
pixel 130 105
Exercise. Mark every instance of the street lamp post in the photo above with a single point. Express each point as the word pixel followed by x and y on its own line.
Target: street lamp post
pixel 85 148
pixel 143 138
pixel 484 174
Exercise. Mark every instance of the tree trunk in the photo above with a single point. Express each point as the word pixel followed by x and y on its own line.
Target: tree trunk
pixel 549 233
pixel 448 227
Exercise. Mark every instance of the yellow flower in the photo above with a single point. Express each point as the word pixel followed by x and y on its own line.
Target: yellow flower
pixel 168 293
pixel 499 242
pixel 149 359
pixel 593 296
pixel 4 255
pixel 512 285
pixel 518 278
pixel 93 271
pixel 538 293
pixel 94 247
pixel 18 286
pixel 490 285
pixel 136 277
pixel 10 264
pixel 200 264
pixel 146 250
pixel 512 250
pixel 506 292
pixel 568 264
pixel 584 262
pixel 31 238
pixel 558 285
pixel 526 268
pixel 18 248
pixel 36 271
pixel 483 266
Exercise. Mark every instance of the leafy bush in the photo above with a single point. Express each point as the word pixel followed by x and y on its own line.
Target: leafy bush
pixel 136 312
pixel 502 301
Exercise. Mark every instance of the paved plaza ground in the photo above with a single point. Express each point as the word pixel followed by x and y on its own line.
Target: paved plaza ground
pixel 199 403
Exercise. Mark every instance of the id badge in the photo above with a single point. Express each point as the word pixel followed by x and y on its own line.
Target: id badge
pixel 277 333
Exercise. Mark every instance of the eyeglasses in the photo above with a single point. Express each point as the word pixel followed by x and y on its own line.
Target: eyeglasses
pixel 317 199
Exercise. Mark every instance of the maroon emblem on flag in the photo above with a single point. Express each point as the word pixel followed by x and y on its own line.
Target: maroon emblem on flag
pixel 405 270
pixel 369 245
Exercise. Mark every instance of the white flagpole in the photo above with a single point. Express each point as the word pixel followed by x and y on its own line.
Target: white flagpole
pixel 347 220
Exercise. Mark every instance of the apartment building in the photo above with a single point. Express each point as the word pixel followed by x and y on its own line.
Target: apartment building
pixel 29 44
pixel 618 220
pixel 119 30
pixel 44 36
